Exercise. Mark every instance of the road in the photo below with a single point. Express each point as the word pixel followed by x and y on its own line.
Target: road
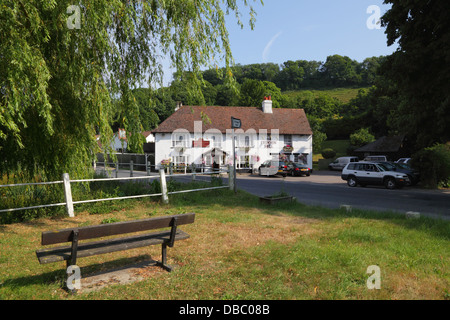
pixel 326 188
pixel 329 190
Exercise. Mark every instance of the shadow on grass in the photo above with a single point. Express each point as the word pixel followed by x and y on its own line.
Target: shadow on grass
pixel 58 277
pixel 226 198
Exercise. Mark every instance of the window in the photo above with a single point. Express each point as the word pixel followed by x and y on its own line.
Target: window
pixel 370 167
pixel 301 158
pixel 244 141
pixel 288 140
pixel 216 143
pixel 214 136
pixel 180 140
pixel 180 160
pixel 243 162
pixel 247 141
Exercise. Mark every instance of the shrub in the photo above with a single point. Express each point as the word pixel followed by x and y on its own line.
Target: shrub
pixel 361 137
pixel 328 153
pixel 434 165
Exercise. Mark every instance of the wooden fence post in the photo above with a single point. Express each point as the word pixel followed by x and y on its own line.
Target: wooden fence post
pixel 162 181
pixel 68 194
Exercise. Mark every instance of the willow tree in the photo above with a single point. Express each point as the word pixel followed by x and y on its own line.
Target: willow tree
pixel 66 66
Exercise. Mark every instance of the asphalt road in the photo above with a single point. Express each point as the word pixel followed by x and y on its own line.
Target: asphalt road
pixel 326 188
pixel 329 190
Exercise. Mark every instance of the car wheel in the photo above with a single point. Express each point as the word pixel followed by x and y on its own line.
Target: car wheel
pixel 351 181
pixel 389 183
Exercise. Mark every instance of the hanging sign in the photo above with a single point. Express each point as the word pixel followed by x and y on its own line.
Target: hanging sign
pixel 235 123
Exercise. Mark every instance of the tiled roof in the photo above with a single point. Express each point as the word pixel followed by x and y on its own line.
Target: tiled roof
pixel 384 144
pixel 287 121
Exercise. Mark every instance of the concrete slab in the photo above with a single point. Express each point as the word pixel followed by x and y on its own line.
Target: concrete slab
pixel 123 275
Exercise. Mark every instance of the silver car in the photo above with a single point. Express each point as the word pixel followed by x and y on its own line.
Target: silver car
pixel 373 173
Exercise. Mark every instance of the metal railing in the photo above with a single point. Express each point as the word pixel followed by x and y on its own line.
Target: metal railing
pixel 69 203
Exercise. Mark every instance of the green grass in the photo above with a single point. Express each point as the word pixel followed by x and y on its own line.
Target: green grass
pixel 340 146
pixel 242 249
pixel 342 94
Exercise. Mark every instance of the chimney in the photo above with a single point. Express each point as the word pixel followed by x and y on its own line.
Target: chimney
pixel 178 106
pixel 267 105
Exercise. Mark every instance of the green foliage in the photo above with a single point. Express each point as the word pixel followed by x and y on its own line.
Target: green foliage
pixel 26 196
pixel 30 196
pixel 419 68
pixel 340 70
pixel 291 76
pixel 318 135
pixel 328 153
pixel 337 71
pixel 361 137
pixel 253 92
pixel 109 220
pixel 60 86
pixel 433 164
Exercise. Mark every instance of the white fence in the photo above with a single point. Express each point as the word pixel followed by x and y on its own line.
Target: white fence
pixel 113 168
pixel 164 194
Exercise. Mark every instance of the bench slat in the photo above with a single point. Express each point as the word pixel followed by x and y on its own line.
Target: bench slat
pixel 90 232
pixel 100 247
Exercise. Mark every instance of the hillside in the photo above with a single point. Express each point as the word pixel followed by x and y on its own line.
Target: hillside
pixel 342 94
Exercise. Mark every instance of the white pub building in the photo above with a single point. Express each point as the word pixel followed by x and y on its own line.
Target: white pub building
pixel 202 136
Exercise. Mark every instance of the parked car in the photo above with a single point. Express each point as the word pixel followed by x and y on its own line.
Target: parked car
pixel 283 168
pixel 341 162
pixel 299 169
pixel 413 175
pixel 373 173
pixel 404 160
pixel 273 167
pixel 375 158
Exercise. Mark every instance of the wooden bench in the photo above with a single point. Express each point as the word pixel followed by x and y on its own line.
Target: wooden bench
pixel 70 253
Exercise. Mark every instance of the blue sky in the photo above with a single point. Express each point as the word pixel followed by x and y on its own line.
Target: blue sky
pixel 308 30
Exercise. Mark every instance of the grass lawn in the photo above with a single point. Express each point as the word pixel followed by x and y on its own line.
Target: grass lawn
pixel 340 146
pixel 241 249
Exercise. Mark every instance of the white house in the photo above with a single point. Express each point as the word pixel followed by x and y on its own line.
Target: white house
pixel 202 135
pixel 120 141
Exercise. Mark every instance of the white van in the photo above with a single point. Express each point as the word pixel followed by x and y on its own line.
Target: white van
pixel 341 162
pixel 376 158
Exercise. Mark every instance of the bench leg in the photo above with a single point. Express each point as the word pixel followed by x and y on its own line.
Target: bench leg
pixel 163 263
